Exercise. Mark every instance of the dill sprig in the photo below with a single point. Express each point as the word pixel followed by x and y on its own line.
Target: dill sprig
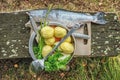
pixel 41 42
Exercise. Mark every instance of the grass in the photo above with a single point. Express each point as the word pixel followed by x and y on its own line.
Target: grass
pixel 82 68
pixel 99 68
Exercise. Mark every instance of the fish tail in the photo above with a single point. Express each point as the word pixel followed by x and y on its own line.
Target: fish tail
pixel 99 18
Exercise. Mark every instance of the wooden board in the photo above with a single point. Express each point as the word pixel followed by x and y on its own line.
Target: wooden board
pixel 14 36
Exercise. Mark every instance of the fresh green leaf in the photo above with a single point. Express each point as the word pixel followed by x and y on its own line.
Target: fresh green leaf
pixel 55 61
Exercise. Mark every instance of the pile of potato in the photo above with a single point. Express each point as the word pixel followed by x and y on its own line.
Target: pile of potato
pixel 52 35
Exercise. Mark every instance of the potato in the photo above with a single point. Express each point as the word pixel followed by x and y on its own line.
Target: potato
pixel 68 39
pixel 67 47
pixel 47 32
pixel 60 32
pixel 46 49
pixel 50 41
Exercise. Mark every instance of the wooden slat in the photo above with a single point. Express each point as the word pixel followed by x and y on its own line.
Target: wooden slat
pixel 106 38
pixel 14 36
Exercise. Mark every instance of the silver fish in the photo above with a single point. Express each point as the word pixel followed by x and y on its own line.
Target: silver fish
pixel 67 17
pixel 35 28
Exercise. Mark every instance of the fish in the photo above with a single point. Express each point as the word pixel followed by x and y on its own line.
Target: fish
pixel 67 17
pixel 36 28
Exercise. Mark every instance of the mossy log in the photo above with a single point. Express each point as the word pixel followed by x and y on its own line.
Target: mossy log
pixel 14 36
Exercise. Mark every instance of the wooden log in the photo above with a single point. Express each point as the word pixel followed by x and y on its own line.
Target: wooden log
pixel 14 36
pixel 106 38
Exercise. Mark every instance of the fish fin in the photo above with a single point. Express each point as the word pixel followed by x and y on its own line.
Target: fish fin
pixel 99 18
